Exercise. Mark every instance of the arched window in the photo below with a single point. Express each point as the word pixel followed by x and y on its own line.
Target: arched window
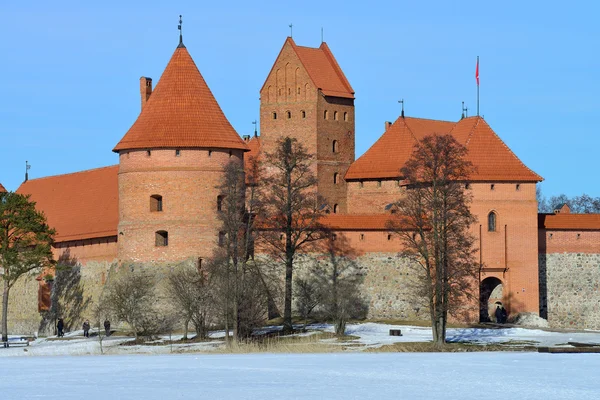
pixel 303 113
pixel 274 115
pixel 335 115
pixel 325 114
pixel 335 208
pixel 298 90
pixel 334 146
pixel 221 239
pixel 289 114
pixel 492 222
pixel 219 203
pixel 156 202
pixel 345 116
pixel 161 238
pixel 289 91
pixel 336 178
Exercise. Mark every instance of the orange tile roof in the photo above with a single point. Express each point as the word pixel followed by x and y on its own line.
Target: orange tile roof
pixel 254 146
pixel 357 222
pixel 488 153
pixel 389 153
pixel 181 112
pixel 2 189
pixel 574 222
pixel 323 69
pixel 81 205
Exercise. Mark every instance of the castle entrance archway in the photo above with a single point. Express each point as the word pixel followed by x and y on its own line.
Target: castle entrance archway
pixel 490 292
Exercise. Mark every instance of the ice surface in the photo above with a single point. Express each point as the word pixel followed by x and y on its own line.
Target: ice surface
pixel 304 376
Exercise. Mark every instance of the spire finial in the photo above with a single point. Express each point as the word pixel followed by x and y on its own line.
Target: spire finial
pixel 180 33
pixel 27 167
pixel 322 40
pixel 402 102
pixel 291 30
pixel 462 116
pixel 255 132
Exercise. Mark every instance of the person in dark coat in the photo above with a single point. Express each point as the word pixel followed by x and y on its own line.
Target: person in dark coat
pixel 498 314
pixel 86 328
pixel 107 327
pixel 504 315
pixel 60 326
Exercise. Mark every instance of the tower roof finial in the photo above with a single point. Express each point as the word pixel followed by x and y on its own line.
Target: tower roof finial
pixel 402 113
pixel 180 33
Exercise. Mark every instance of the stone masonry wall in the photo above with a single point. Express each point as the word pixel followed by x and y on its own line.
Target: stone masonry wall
pixel 570 289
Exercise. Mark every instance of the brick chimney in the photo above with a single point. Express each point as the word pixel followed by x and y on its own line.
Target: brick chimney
pixel 145 89
pixel 387 125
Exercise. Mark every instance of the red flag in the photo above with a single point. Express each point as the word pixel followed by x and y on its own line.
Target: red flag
pixel 477 72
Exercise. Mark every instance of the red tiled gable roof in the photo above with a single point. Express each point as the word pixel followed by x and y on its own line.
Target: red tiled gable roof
pixel 488 153
pixel 254 147
pixel 181 112
pixel 574 222
pixel 389 153
pixel 82 205
pixel 323 69
pixel 494 160
pixel 2 189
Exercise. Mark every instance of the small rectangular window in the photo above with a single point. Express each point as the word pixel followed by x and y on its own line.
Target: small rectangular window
pixel 518 187
pixel 162 238
pixel 177 153
pixel 492 186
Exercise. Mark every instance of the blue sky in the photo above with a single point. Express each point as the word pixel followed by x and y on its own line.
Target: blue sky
pixel 70 72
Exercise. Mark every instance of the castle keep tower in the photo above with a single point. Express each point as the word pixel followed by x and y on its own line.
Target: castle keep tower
pixel 307 96
pixel 170 163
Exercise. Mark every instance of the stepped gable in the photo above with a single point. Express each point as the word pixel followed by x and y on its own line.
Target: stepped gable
pixel 388 154
pixel 181 113
pixel 2 189
pixel 323 69
pixel 571 222
pixel 81 205
pixel 488 153
pixel 494 160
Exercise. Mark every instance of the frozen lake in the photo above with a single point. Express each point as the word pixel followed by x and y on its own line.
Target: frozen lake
pixel 303 376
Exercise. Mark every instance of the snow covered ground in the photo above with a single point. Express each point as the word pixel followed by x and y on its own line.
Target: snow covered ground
pixel 304 376
pixel 369 335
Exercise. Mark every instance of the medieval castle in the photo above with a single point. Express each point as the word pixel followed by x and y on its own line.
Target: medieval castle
pixel 159 204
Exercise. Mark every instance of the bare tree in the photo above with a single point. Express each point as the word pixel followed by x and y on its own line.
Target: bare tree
pixel 130 297
pixel 434 224
pixel 340 280
pixel 25 244
pixel 292 210
pixel 67 298
pixel 190 291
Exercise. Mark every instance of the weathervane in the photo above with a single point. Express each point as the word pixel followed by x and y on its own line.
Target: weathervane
pixel 27 168
pixel 180 32
pixel 402 102
pixel 291 30
pixel 255 132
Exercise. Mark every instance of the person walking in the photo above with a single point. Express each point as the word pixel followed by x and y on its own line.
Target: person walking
pixel 86 328
pixel 498 314
pixel 107 327
pixel 60 326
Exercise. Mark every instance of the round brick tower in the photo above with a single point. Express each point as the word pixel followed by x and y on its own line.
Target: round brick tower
pixel 170 163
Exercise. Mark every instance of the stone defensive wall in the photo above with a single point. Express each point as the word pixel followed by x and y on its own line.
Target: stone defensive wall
pixel 569 268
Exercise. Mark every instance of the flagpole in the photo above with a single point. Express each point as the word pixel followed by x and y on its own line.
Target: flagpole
pixel 478 86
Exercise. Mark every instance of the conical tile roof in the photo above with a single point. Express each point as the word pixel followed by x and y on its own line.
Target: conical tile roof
pixel 181 113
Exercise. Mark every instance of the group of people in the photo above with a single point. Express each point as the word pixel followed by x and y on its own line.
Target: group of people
pixel 501 314
pixel 60 328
